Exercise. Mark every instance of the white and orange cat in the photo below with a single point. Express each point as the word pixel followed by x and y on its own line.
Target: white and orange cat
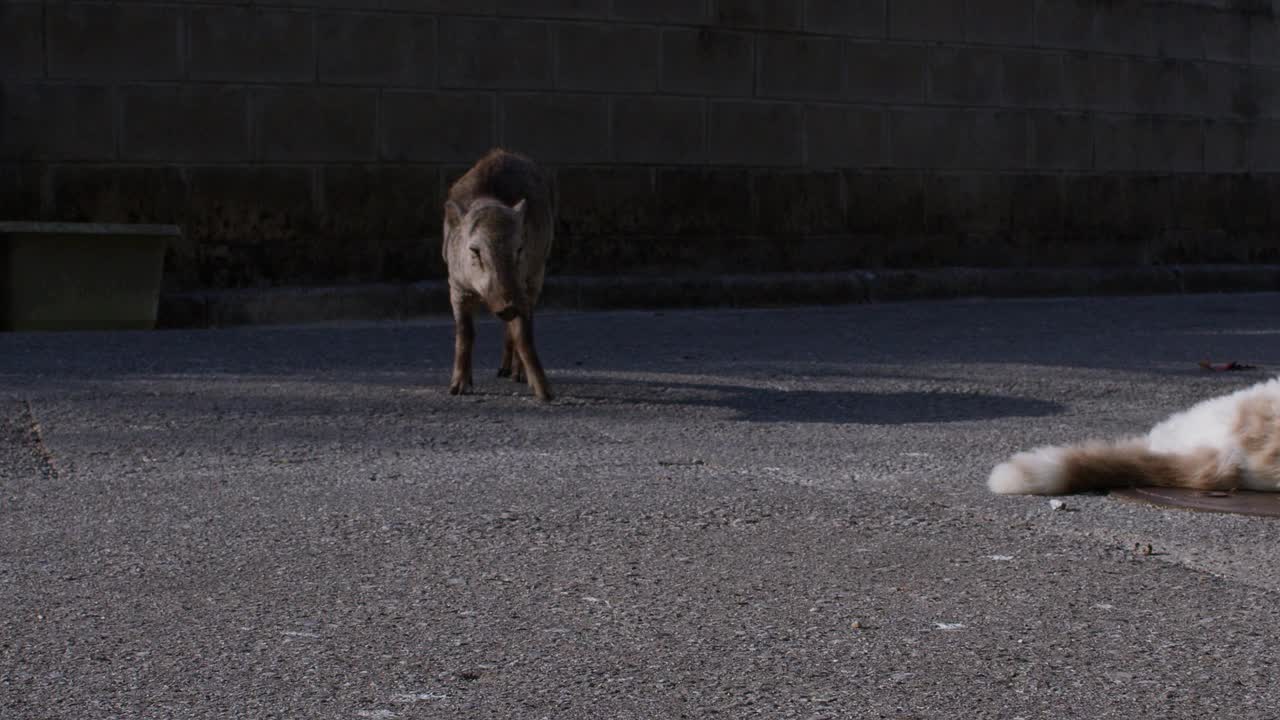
pixel 1224 443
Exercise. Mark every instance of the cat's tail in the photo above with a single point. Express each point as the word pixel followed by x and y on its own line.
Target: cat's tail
pixel 1096 466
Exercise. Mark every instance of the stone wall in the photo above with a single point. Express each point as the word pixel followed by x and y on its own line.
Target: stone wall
pixel 309 141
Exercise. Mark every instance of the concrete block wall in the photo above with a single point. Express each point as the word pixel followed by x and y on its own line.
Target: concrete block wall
pixel 310 141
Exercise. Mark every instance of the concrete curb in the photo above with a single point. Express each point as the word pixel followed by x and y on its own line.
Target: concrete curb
pixel 383 301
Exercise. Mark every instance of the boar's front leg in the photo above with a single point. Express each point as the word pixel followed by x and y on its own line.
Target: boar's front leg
pixel 508 352
pixel 464 337
pixel 504 370
pixel 521 329
pixel 511 366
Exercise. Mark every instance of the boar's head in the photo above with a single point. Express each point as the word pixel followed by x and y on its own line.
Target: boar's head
pixel 484 247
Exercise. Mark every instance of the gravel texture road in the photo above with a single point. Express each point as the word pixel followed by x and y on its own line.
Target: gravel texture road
pixel 775 513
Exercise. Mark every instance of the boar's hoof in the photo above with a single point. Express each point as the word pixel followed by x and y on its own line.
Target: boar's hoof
pixel 544 396
pixel 459 387
pixel 504 372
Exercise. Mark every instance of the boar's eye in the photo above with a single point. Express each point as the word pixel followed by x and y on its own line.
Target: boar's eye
pixel 475 254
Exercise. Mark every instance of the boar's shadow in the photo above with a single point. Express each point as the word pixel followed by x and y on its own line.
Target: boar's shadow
pixel 759 404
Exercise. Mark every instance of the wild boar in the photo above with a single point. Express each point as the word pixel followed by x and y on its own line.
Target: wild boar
pixel 498 230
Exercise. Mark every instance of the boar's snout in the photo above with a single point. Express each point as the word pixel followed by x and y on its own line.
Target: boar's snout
pixel 508 313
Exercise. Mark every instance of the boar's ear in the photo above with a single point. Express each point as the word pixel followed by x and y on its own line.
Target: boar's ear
pixel 452 220
pixel 452 213
pixel 519 209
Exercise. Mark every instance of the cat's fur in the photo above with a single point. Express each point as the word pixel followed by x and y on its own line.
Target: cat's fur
pixel 1224 443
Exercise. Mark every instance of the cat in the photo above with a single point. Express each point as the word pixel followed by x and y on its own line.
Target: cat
pixel 1227 442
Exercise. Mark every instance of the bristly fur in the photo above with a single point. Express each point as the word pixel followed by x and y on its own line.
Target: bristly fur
pixel 1227 442
pixel 497 231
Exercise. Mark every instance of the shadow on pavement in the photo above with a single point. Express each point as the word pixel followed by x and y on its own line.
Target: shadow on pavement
pixel 756 404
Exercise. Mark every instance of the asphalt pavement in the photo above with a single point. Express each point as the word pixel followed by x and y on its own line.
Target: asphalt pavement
pixel 731 513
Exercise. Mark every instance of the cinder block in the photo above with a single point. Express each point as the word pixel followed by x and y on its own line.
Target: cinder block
pixel 607 217
pixel 799 203
pixel 761 14
pixel 852 18
pixel 932 20
pixel 315 124
pixel 889 204
pixel 609 202
pixel 967 203
pixel 1143 143
pixel 1252 202
pixel 146 195
pixel 1226 35
pixel 248 192
pixel 1065 23
pixel 1117 139
pixel 439 7
pixel 943 138
pixel 1160 86
pixel 124 41
pixel 1001 22
pixel 20 192
pixel 1264 146
pixel 581 9
pixel 1245 88
pixel 252 226
pixel 659 130
pixel 381 50
pixel 1222 203
pixel 1226 146
pixel 999 140
pixel 1220 91
pixel 845 137
pixel 800 66
pixel 477 53
pixel 1097 203
pixel 662 11
pixel 1264 84
pixel 1124 27
pixel 965 76
pixel 557 128
pixel 928 137
pixel 704 201
pixel 1061 141
pixel 1194 89
pixel 184 123
pixel 755 133
pixel 1240 88
pixel 56 122
pixel 707 62
pixel 436 127
pixel 21 40
pixel 1264 40
pixel 253 44
pixel 383 221
pixel 1176 31
pixel 1036 204
pixel 877 72
pixel 1193 199
pixel 607 57
pixel 1097 82
pixel 1152 207
pixel 1031 79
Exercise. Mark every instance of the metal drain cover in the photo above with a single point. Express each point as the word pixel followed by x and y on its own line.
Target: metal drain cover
pixel 1240 502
